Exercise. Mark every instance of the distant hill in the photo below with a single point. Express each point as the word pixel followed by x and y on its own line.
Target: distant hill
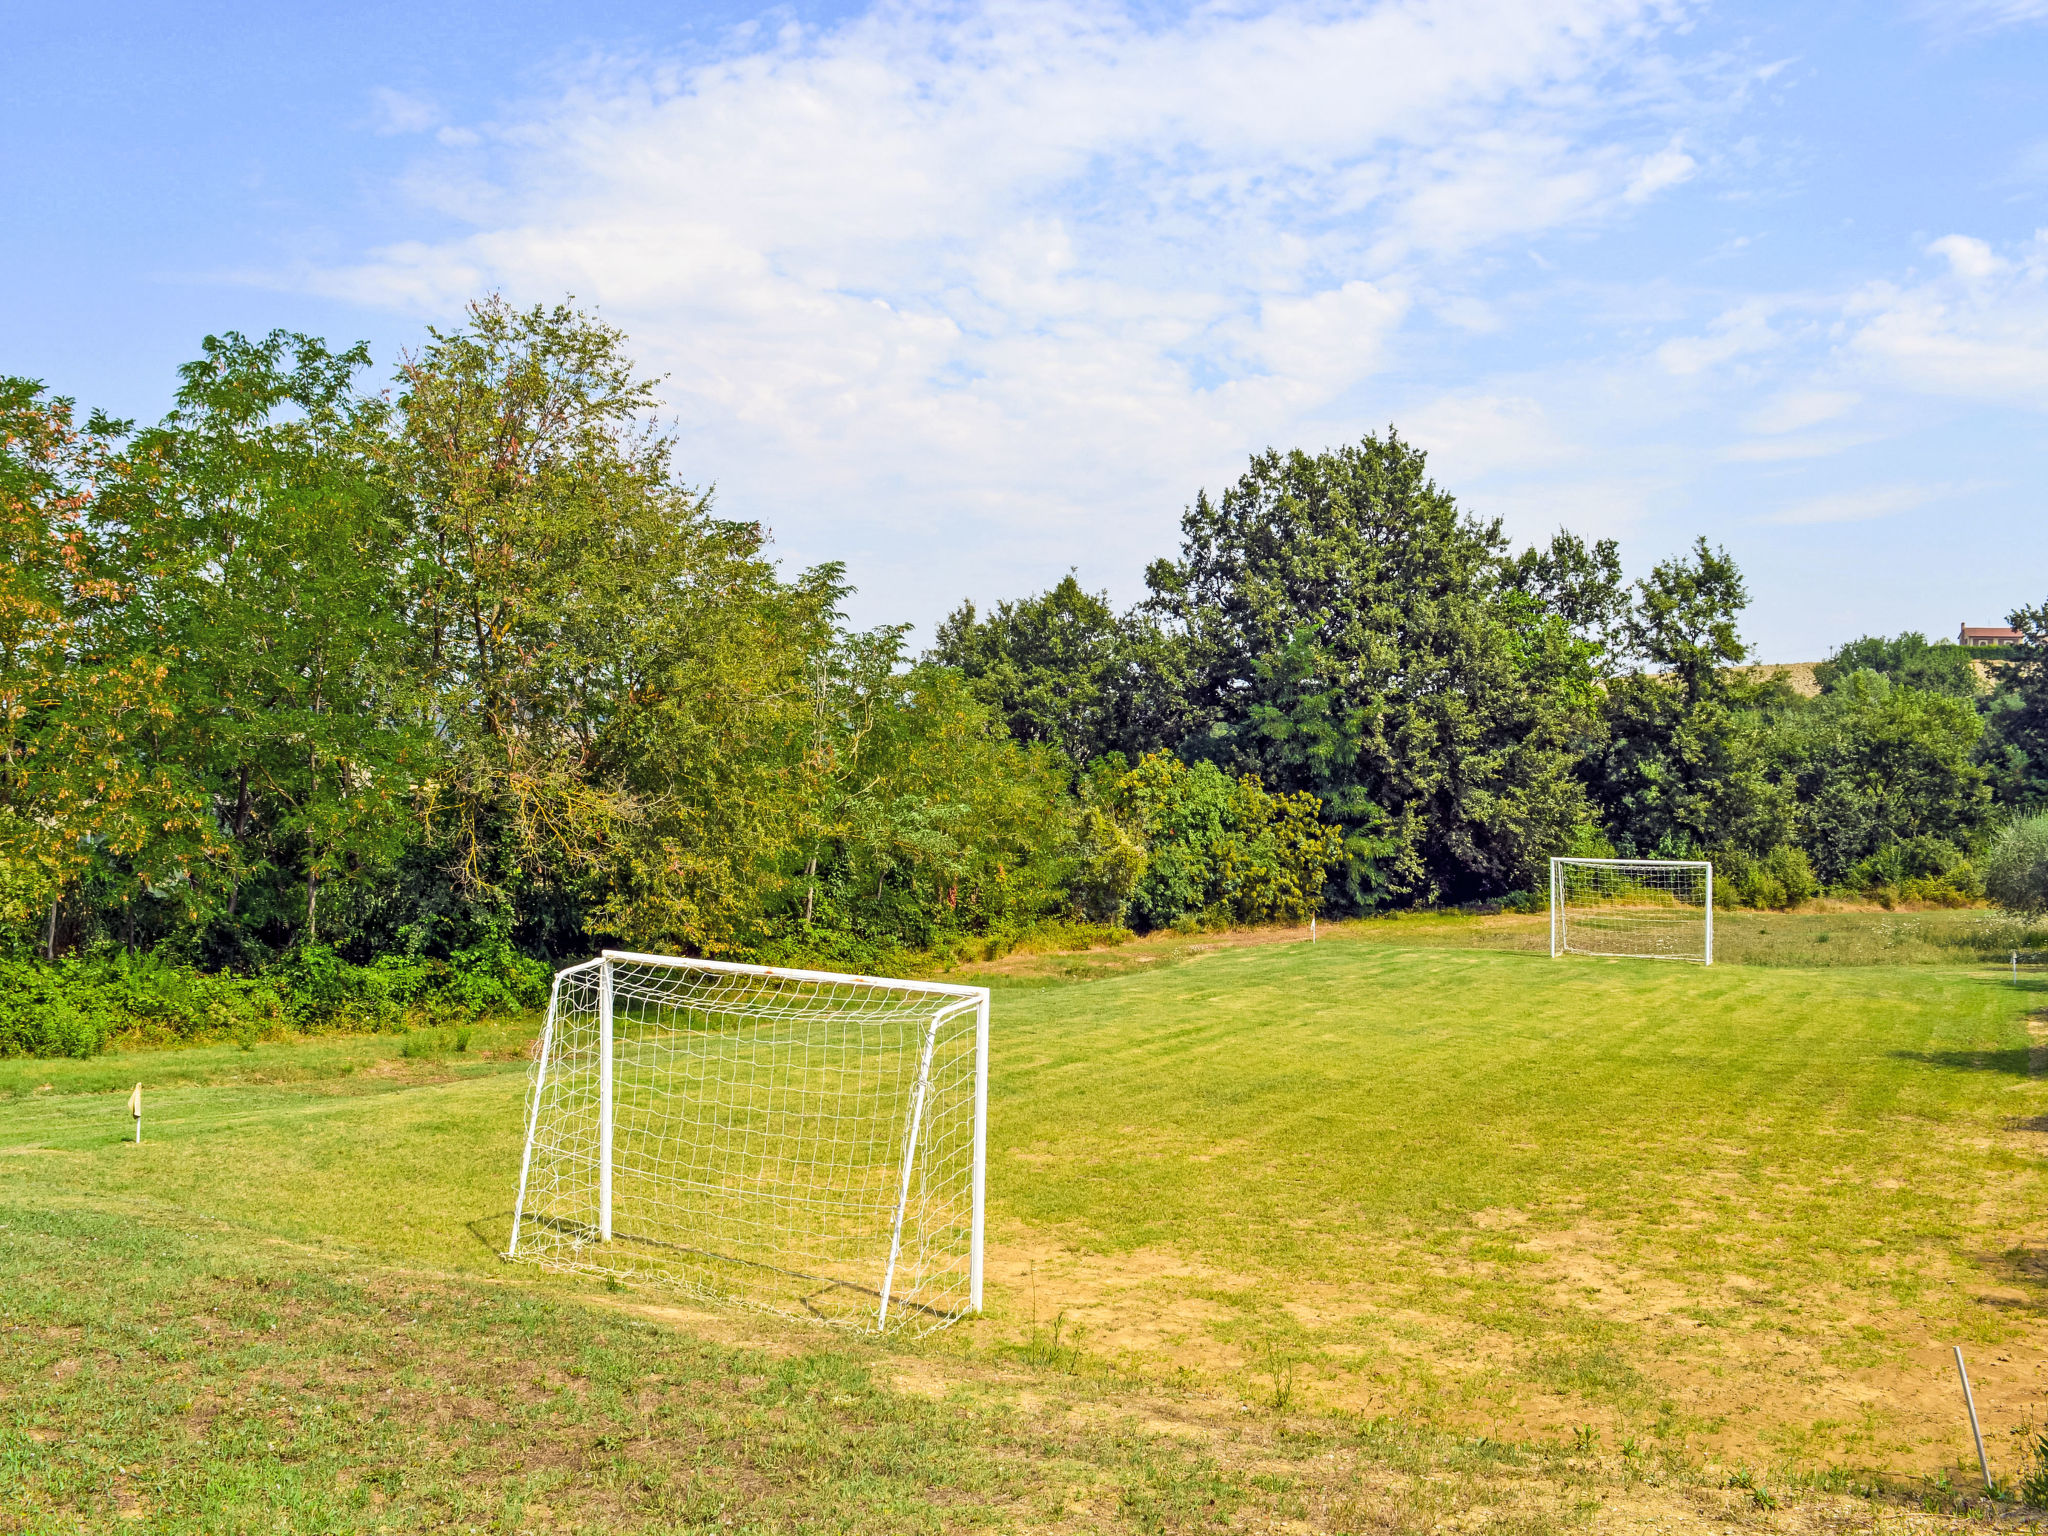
pixel 1799 676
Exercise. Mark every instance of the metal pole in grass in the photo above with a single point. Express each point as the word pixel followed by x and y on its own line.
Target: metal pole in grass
pixel 135 1109
pixel 1556 915
pixel 1970 1402
pixel 1710 914
pixel 604 1101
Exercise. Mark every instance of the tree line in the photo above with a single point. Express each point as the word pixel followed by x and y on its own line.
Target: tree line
pixel 1337 627
pixel 352 692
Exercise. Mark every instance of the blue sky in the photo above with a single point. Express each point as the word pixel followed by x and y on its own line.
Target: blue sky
pixel 965 295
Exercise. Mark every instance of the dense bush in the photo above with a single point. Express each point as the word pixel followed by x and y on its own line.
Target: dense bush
pixel 1910 661
pixel 2016 871
pixel 321 988
pixel 83 1003
pixel 1781 878
pixel 77 1006
pixel 1217 849
pixel 1924 870
pixel 1886 778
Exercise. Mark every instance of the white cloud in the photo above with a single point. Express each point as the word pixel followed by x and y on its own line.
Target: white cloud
pixel 1667 168
pixel 393 112
pixel 1796 410
pixel 1031 275
pixel 1973 329
pixel 1969 258
pixel 1739 332
pixel 1859 506
pixel 1472 436
pixel 1983 15
pixel 1319 345
pixel 1780 450
pixel 1980 332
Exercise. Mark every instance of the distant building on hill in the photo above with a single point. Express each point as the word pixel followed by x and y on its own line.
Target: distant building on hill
pixel 1971 634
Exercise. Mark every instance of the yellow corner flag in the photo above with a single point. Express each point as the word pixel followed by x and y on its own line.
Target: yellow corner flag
pixel 135 1109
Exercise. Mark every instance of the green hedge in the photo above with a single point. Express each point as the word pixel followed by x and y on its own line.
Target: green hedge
pixel 82 1004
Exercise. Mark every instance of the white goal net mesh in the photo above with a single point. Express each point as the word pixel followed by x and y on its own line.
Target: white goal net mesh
pixel 803 1143
pixel 1648 909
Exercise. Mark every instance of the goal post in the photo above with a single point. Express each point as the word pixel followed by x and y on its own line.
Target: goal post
pixel 1641 909
pixel 801 1141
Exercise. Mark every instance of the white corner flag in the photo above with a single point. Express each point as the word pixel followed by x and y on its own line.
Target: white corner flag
pixel 135 1109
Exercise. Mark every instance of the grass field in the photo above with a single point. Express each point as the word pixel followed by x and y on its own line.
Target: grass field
pixel 1409 1227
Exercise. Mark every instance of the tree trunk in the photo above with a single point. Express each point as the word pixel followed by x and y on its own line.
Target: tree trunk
pixel 50 933
pixel 312 862
pixel 242 808
pixel 811 895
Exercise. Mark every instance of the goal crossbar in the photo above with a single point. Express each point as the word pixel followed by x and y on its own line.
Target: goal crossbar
pixel 1632 909
pixel 807 1141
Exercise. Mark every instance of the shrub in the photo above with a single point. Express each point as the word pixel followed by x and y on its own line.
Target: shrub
pixel 494 978
pixel 489 977
pixel 1218 849
pixel 1109 861
pixel 1928 870
pixel 2016 871
pixel 81 1005
pixel 78 1006
pixel 39 1017
pixel 1780 879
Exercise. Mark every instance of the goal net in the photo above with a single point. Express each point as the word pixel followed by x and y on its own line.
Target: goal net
pixel 794 1140
pixel 1645 909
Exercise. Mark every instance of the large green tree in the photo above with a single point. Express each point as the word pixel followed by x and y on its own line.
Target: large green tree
pixel 2017 742
pixel 257 543
pixel 1879 768
pixel 1350 633
pixel 1682 769
pixel 1048 665
pixel 1907 659
pixel 618 677
pixel 633 704
pixel 1066 670
pixel 91 801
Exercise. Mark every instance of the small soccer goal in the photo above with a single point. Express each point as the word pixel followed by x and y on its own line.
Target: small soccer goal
pixel 1642 909
pixel 800 1141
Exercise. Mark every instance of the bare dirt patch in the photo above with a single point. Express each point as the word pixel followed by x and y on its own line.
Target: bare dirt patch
pixel 1736 1371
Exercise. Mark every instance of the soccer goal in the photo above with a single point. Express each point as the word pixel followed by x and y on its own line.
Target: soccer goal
pixel 800 1141
pixel 1644 909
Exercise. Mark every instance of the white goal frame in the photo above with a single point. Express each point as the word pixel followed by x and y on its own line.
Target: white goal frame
pixel 1636 920
pixel 779 1138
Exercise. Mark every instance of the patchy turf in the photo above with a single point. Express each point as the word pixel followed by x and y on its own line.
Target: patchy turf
pixel 1360 1236
pixel 1744 1209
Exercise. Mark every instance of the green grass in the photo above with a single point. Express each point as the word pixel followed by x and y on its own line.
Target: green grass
pixel 1299 1094
pixel 1502 1150
pixel 217 1387
pixel 1821 934
pixel 1277 1232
